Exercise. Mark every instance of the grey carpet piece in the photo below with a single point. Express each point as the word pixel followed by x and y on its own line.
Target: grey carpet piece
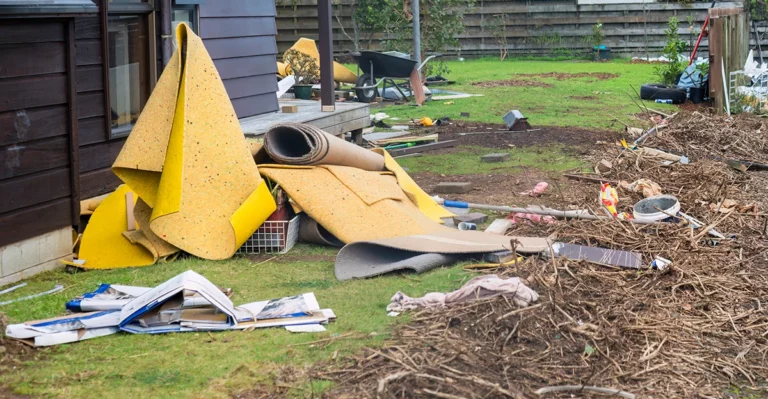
pixel 364 259
pixel 310 231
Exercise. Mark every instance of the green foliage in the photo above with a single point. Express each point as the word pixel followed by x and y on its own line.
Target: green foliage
pixel 379 16
pixel 597 38
pixel 302 66
pixel 498 29
pixel 669 71
pixel 757 9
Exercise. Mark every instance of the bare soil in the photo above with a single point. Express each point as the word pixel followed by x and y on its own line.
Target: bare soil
pixel 511 83
pixel 12 355
pixel 566 76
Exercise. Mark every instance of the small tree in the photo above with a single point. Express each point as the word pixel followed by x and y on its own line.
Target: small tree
pixel 498 29
pixel 597 38
pixel 302 66
pixel 669 71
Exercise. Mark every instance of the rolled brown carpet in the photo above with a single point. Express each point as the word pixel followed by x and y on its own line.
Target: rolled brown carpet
pixel 310 231
pixel 301 144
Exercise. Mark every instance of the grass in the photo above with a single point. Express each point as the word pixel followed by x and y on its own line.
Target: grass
pixel 466 160
pixel 217 365
pixel 200 364
pixel 561 105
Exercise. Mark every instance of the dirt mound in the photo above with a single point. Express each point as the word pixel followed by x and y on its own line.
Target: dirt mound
pixel 498 136
pixel 566 76
pixel 692 330
pixel 511 83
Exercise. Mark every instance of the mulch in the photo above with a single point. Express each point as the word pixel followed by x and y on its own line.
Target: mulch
pixel 498 136
pixel 690 331
pixel 566 76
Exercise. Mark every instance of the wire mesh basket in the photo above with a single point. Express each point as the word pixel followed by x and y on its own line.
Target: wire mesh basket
pixel 273 237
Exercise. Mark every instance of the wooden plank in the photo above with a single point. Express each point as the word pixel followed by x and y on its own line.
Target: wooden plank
pixel 34 221
pixel 37 156
pixel 34 189
pixel 28 59
pixel 241 47
pixel 32 124
pixel 92 131
pixel 99 156
pixel 250 86
pixel 88 52
pixel 90 78
pixel 98 182
pixel 423 147
pixel 255 105
pixel 237 8
pixel 31 92
pixel 90 104
pixel 87 28
pixel 246 66
pixel 74 147
pixel 213 28
pixel 31 32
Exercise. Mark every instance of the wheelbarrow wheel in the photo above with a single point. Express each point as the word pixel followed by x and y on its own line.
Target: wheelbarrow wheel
pixel 366 95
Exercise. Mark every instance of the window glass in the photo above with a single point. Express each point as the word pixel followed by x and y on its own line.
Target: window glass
pixel 183 13
pixel 128 70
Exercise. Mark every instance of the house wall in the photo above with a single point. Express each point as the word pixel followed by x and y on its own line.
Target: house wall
pixel 240 37
pixel 97 150
pixel 36 184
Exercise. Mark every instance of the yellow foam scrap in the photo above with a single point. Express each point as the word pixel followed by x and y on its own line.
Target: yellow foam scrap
pixel 103 245
pixel 423 201
pixel 87 206
pixel 308 47
pixel 188 159
pixel 282 69
pixel 338 205
pixel 145 237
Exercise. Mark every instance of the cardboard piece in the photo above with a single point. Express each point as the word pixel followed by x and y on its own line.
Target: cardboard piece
pixel 65 329
pixel 188 160
pixel 129 203
pixel 305 328
pixel 157 247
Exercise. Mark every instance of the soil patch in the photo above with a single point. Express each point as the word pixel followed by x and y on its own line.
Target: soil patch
pixel 12 355
pixel 566 76
pixel 585 98
pixel 511 83
pixel 504 189
pixel 498 136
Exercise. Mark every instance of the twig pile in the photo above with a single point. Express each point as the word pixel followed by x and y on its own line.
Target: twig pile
pixel 688 332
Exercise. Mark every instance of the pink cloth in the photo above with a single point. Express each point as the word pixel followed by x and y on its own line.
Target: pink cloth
pixel 531 217
pixel 537 190
pixel 481 287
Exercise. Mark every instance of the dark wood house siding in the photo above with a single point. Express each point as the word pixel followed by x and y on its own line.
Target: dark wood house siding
pixel 240 37
pixel 36 181
pixel 97 151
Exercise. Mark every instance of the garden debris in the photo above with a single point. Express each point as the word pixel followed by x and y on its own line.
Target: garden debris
pixel 426 121
pixel 644 186
pixel 481 287
pixel 603 167
pixel 423 147
pixel 729 205
pixel 185 303
pixel 656 208
pixel 610 199
pixel 464 226
pixel 516 121
pixel 530 218
pixel 53 290
pixel 537 190
pixel 600 256
pixel 500 226
pixel 500 257
pixel 14 288
pixel 474 217
pixel 495 157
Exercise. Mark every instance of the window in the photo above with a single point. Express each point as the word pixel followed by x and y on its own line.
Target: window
pixel 130 60
pixel 184 13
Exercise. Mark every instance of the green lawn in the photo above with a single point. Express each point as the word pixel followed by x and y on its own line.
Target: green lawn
pixel 564 104
pixel 220 364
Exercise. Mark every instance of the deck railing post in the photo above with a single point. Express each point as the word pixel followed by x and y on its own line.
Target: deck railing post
pixel 327 89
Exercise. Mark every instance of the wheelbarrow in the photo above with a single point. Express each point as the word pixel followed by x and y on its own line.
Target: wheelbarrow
pixel 383 69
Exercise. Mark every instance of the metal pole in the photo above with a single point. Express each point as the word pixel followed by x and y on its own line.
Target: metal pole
pixel 166 36
pixel 416 32
pixel 327 89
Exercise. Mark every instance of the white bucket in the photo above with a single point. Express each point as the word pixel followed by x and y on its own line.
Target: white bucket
pixel 656 208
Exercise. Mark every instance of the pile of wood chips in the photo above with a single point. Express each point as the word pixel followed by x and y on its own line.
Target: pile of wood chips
pixel 695 330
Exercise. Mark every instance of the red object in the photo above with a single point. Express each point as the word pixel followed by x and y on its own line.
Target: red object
pixel 701 35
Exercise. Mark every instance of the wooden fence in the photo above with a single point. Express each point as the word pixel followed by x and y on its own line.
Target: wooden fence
pixel 729 38
pixel 530 27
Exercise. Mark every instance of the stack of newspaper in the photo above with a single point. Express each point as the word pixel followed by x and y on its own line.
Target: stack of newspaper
pixel 187 302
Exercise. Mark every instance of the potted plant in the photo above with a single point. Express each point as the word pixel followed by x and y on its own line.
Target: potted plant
pixel 306 71
pixel 599 50
pixel 699 92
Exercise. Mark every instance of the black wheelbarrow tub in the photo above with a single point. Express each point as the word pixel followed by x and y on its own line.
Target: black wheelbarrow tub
pixel 384 65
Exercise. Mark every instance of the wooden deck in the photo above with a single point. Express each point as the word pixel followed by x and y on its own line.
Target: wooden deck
pixel 348 117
